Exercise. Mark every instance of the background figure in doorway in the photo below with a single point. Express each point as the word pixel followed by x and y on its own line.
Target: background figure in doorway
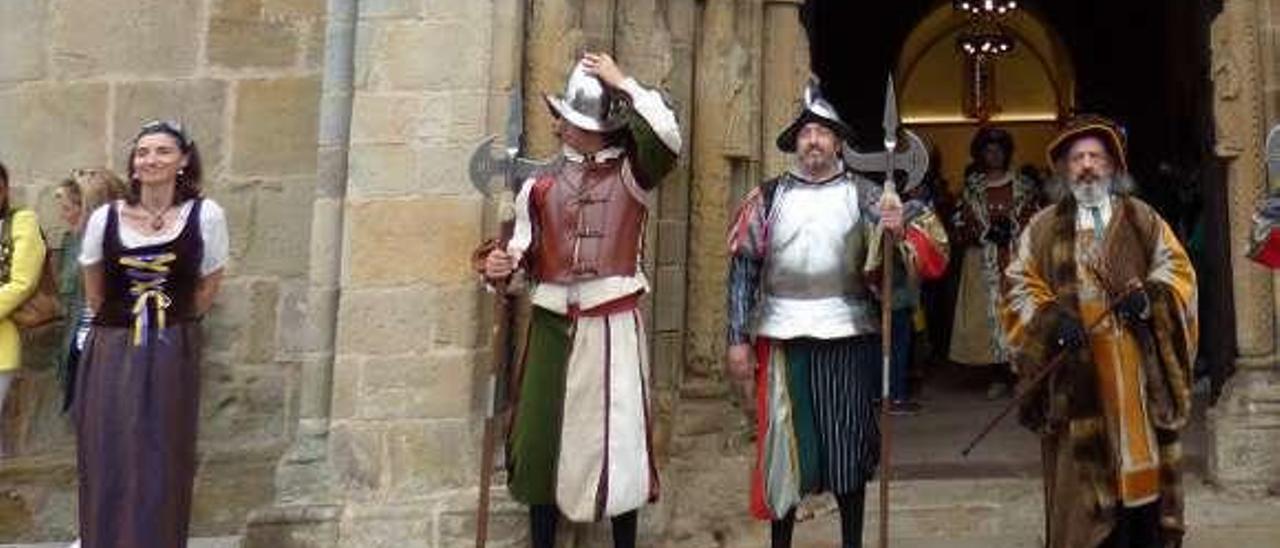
pixel 995 204
pixel 909 323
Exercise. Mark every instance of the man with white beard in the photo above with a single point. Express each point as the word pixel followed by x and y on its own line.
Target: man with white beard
pixel 1100 278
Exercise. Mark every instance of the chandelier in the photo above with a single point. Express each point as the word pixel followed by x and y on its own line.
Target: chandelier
pixel 985 7
pixel 982 42
pixel 988 42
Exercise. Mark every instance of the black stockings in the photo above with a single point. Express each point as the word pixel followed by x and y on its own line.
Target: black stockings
pixel 542 527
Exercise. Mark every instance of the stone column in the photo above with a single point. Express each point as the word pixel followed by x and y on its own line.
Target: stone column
pixel 555 38
pixel 392 402
pixel 1244 447
pixel 654 42
pixel 307 506
pixel 783 75
pixel 725 152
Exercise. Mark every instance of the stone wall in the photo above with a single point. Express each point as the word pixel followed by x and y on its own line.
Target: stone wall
pixel 403 445
pixel 389 445
pixel 1243 440
pixel 400 441
pixel 77 77
pixel 343 384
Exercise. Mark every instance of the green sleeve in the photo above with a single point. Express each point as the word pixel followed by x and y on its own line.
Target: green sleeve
pixel 651 158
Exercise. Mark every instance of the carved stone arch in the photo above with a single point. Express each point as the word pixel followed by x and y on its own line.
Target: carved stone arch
pixel 935 34
pixel 1035 87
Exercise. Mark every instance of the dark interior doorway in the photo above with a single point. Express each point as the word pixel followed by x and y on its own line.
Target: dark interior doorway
pixel 1145 63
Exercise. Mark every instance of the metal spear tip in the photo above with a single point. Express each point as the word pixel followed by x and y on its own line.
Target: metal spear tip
pixel 515 121
pixel 890 123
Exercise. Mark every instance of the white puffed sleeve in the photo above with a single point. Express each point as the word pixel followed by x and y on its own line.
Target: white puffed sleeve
pixel 91 240
pixel 213 230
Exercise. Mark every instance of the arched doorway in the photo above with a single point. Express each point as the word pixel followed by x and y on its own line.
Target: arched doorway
pixel 1144 63
pixel 1027 90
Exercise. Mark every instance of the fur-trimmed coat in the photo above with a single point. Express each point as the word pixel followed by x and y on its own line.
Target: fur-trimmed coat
pixel 1074 410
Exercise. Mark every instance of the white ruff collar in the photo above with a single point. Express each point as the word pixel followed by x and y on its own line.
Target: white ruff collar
pixel 1006 179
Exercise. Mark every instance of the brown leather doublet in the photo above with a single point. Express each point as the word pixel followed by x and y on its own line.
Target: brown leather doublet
pixel 591 222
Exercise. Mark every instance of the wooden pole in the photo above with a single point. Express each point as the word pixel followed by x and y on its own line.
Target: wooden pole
pixel 886 352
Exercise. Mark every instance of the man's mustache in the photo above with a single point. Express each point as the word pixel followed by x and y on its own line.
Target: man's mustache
pixel 1088 177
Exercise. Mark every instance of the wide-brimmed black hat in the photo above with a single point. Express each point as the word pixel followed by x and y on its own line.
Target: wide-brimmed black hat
pixel 816 109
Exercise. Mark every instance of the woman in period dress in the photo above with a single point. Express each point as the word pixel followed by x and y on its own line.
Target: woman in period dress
pixel 996 202
pixel 153 263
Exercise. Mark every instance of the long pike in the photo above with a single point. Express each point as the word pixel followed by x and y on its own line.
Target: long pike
pixel 501 364
pixel 886 309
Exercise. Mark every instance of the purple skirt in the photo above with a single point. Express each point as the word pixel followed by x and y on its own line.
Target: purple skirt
pixel 135 414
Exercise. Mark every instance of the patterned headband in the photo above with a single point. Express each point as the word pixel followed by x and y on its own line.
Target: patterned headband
pixel 166 126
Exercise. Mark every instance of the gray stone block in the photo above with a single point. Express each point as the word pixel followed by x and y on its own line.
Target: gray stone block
pixel 164 34
pixel 41 120
pixel 293 527
pixel 268 140
pixel 199 105
pixel 23 23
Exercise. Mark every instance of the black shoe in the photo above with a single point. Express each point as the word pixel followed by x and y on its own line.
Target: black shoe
pixel 903 407
pixel 998 390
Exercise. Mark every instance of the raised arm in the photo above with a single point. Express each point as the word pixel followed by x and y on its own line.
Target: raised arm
pixel 655 134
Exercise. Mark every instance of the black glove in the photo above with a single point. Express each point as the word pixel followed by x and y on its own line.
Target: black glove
pixel 1134 307
pixel 1070 335
pixel 1000 231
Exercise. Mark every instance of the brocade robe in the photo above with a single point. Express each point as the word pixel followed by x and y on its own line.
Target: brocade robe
pixel 1110 417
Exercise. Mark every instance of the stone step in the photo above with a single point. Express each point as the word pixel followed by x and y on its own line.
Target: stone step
pixel 934 542
pixel 207 542
pixel 991 512
pixel 1195 539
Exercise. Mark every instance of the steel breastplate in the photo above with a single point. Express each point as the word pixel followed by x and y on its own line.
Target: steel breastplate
pixel 812 280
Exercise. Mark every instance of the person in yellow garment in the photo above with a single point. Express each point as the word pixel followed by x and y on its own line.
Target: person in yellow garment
pixel 21 257
pixel 1101 277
